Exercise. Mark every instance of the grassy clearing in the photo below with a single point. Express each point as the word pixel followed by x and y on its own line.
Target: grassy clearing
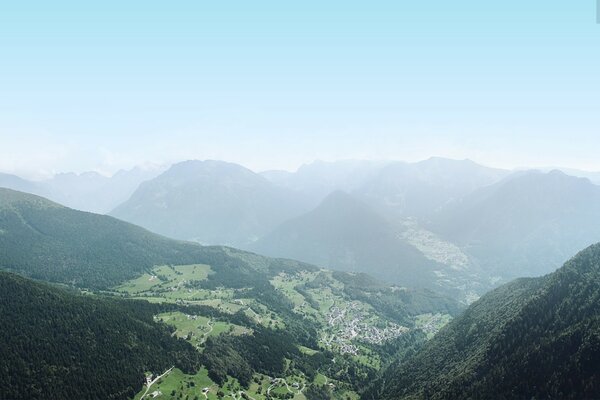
pixel 196 328
pixel 431 323
pixel 176 383
pixel 165 277
pixel 307 350
pixel 142 284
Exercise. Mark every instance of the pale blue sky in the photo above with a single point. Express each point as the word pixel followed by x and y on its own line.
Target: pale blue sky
pixel 276 84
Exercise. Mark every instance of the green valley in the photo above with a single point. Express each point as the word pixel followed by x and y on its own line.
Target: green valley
pixel 346 339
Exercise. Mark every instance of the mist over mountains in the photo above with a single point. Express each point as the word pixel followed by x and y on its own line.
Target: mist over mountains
pixel 212 202
pixel 418 243
pixel 88 191
pixel 449 224
pixel 530 221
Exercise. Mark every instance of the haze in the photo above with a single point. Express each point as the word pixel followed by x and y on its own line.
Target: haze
pixel 311 200
pixel 108 86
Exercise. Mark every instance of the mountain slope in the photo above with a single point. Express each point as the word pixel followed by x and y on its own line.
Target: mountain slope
pixel 16 183
pixel 344 233
pixel 93 192
pixel 419 189
pixel 47 241
pixel 528 224
pixel 318 179
pixel 532 338
pixel 88 191
pixel 57 344
pixel 212 202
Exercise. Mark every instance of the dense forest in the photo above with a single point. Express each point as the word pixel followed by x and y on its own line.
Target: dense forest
pixel 59 344
pixel 532 338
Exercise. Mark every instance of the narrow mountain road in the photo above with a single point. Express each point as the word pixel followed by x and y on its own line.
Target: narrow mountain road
pixel 154 381
pixel 205 335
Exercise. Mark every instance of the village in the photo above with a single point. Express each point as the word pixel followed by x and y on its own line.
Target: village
pixel 352 323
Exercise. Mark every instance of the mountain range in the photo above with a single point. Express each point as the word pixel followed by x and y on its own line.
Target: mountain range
pixel 125 301
pixel 471 226
pixel 528 223
pixel 88 191
pixel 211 202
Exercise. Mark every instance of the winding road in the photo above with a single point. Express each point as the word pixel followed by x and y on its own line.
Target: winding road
pixel 154 381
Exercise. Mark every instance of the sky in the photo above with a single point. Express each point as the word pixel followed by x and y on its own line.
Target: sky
pixel 274 84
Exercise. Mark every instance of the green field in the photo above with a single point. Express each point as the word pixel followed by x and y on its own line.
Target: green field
pixel 178 385
pixel 346 327
pixel 165 277
pixel 431 323
pixel 195 328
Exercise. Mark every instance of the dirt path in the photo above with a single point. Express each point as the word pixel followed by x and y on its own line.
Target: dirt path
pixel 282 380
pixel 154 381
pixel 205 335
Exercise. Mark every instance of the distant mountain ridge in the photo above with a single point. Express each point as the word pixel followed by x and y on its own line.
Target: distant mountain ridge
pixel 16 183
pixel 88 191
pixel 419 189
pixel 529 223
pixel 454 212
pixel 212 202
pixel 319 179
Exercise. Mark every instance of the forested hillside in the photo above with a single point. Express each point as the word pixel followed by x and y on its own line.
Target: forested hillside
pixel 47 241
pixel 62 345
pixel 532 338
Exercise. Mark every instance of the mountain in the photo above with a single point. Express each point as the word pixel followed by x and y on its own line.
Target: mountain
pixel 344 233
pixel 47 241
pixel 593 176
pixel 88 191
pixel 212 202
pixel 527 224
pixel 318 179
pixel 93 192
pixel 407 189
pixel 255 322
pixel 16 183
pixel 532 338
pixel 419 189
pixel 58 344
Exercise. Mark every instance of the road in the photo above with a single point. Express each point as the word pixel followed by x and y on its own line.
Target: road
pixel 282 380
pixel 205 335
pixel 154 381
